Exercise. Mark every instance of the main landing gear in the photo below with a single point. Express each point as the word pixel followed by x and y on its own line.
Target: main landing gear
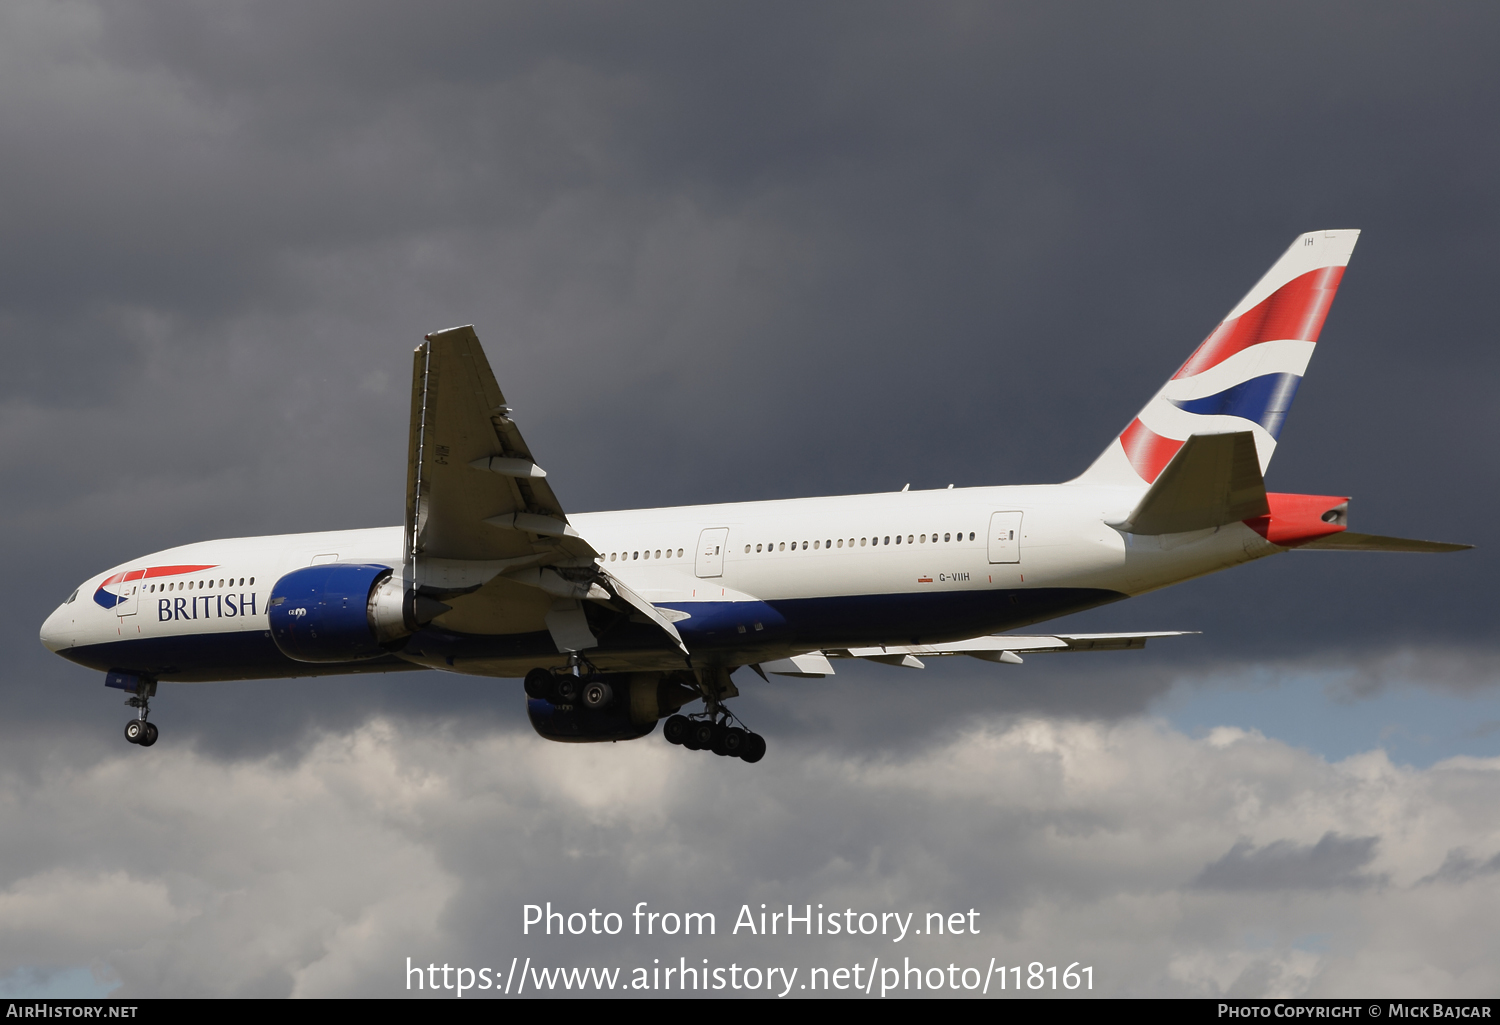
pixel 566 689
pixel 705 732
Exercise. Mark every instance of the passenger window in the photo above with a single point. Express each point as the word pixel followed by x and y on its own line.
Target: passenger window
pixel 658 553
pixel 841 542
pixel 783 547
pixel 971 535
pixel 898 539
pixel 804 546
pixel 815 545
pixel 635 555
pixel 679 553
pixel 861 542
pixel 888 539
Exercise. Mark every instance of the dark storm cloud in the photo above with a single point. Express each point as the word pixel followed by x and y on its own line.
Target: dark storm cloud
pixel 738 252
pixel 1334 862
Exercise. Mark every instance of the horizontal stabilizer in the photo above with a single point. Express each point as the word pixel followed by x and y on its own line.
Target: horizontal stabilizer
pixel 1212 480
pixel 1346 541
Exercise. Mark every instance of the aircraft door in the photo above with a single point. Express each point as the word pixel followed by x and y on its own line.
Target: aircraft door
pixel 129 591
pixel 710 559
pixel 1005 537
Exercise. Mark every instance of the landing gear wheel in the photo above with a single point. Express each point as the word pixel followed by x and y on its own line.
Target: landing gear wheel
pixel 733 742
pixel 699 735
pixel 567 689
pixel 597 694
pixel 717 744
pixel 755 748
pixel 675 728
pixel 150 737
pixel 135 730
pixel 537 683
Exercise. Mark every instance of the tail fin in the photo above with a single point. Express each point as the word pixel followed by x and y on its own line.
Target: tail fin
pixel 1247 370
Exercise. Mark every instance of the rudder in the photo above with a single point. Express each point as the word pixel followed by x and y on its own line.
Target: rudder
pixel 1245 374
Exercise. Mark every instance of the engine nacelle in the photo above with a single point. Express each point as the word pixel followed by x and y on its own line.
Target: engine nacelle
pixel 339 612
pixel 639 700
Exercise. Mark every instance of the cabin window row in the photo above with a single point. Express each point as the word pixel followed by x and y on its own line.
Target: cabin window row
pixel 863 542
pixel 201 585
pixel 645 553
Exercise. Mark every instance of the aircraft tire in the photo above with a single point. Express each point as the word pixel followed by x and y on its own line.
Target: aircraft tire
pixel 537 683
pixel 597 694
pixel 675 728
pixel 755 748
pixel 699 735
pixel 135 729
pixel 150 737
pixel 717 744
pixel 734 741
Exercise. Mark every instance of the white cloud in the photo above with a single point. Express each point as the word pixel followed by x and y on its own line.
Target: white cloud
pixel 319 874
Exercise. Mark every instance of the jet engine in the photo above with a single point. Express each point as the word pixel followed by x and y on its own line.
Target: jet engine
pixel 339 612
pixel 602 706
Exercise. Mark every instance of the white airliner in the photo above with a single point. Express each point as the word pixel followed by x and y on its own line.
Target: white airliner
pixel 618 619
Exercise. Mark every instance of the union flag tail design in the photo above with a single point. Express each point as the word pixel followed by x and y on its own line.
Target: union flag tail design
pixel 1245 374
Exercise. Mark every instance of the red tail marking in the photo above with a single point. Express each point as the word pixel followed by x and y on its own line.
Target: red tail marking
pixel 1147 451
pixel 1295 310
pixel 1296 519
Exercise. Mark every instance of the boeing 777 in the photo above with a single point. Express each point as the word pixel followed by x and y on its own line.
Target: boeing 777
pixel 617 620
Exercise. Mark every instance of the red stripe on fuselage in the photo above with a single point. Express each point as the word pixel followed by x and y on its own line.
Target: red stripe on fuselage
pixel 1295 310
pixel 172 571
pixel 154 571
pixel 1147 451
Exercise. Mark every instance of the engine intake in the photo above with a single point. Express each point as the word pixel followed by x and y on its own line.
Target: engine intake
pixel 339 612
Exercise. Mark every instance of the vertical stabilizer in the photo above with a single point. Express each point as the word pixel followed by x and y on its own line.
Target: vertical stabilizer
pixel 1245 374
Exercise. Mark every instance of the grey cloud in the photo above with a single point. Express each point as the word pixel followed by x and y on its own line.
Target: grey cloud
pixel 1334 862
pixel 319 872
pixel 1459 867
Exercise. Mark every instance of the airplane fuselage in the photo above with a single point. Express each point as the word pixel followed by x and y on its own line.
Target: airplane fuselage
pixel 744 582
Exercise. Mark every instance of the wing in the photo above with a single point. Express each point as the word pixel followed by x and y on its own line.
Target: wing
pixel 1005 647
pixel 489 549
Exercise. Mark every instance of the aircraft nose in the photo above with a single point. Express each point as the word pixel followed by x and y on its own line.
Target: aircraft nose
pixel 58 629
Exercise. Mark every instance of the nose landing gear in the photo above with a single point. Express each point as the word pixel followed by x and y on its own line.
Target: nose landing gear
pixel 137 730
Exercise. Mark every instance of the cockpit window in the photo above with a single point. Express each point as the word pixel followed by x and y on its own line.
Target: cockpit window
pixel 70 598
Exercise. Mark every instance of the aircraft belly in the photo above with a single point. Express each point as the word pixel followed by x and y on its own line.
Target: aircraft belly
pixel 204 657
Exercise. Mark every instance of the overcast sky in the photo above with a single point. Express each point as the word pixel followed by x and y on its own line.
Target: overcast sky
pixel 740 251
